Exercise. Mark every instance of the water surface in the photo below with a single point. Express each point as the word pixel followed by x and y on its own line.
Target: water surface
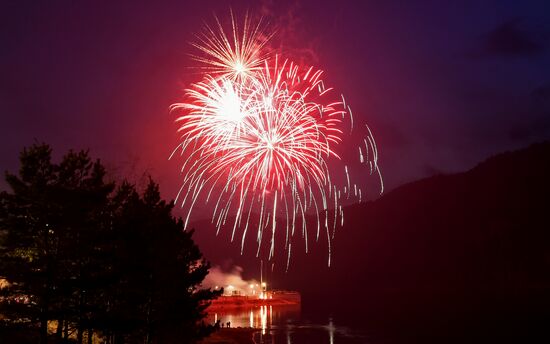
pixel 288 324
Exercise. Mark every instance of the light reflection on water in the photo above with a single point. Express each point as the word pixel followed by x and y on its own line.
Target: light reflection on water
pixel 260 317
pixel 284 325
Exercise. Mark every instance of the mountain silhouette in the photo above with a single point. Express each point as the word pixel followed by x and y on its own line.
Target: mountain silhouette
pixel 463 256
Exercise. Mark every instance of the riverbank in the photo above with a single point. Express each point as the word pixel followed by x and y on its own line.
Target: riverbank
pixel 222 336
pixel 231 336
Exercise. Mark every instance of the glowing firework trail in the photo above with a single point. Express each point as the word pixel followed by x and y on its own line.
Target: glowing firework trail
pixel 258 134
pixel 237 55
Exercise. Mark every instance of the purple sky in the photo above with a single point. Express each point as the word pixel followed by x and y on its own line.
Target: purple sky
pixel 442 85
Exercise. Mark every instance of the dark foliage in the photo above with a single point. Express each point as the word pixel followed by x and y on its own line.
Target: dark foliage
pixel 96 258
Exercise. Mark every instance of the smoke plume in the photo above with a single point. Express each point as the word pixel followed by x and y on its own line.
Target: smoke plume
pixel 231 281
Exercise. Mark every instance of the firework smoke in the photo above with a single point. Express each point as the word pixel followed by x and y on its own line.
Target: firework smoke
pixel 230 281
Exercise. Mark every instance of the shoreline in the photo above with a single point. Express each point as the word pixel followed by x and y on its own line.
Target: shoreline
pixel 237 335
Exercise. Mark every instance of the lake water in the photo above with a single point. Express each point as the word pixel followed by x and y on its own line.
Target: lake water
pixel 288 324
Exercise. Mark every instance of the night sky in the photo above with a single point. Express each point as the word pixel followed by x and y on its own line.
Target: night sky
pixel 443 86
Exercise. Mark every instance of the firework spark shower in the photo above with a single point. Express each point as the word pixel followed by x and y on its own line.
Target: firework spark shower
pixel 261 140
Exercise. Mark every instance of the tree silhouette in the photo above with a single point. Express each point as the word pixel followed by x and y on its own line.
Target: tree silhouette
pixel 96 258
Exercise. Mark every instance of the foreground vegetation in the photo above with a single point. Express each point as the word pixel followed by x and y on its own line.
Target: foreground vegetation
pixel 86 258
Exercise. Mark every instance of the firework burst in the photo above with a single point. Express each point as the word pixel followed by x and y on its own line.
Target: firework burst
pixel 237 54
pixel 258 137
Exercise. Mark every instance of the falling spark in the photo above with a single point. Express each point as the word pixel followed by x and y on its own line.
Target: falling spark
pixel 259 132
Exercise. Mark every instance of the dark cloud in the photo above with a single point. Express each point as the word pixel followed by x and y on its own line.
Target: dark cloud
pixel 541 94
pixel 429 170
pixel 538 129
pixel 511 39
pixel 536 123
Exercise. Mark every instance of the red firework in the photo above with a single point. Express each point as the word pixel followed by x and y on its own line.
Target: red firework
pixel 261 132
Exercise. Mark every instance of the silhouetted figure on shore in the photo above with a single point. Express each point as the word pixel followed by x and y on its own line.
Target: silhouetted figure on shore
pixel 228 324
